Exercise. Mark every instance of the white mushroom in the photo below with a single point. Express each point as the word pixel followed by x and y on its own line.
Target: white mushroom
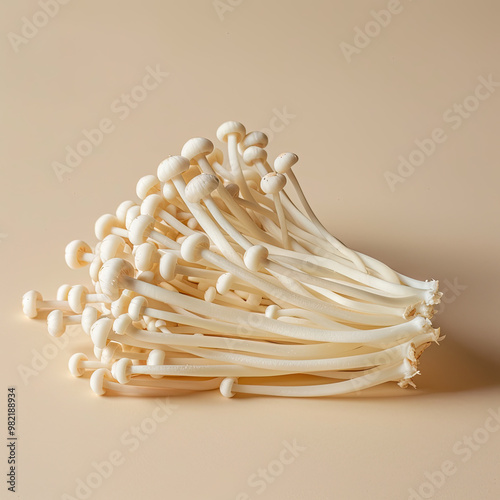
pixel 215 275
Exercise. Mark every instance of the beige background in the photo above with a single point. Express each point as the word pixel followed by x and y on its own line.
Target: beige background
pixel 349 122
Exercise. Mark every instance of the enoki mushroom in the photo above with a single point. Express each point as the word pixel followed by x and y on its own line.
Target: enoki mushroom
pixel 217 278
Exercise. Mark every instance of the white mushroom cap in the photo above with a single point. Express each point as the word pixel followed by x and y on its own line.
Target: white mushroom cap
pixel 122 323
pixel 145 256
pixel 197 147
pixel 97 381
pixel 272 183
pixel 110 274
pixel 55 323
pixel 94 268
pixel 111 246
pixel 100 331
pixel 168 262
pixel 132 214
pixel 109 352
pixel 256 138
pixel 168 191
pixel 224 283
pixel 231 127
pixel 255 256
pixel 136 307
pixel 210 294
pixel 121 370
pixel 120 305
pixel 30 306
pixel 75 364
pixel 62 292
pixel 254 154
pixel 89 317
pixel 140 229
pixel 73 254
pixel 172 167
pixel 193 245
pixel 121 210
pixel 226 387
pixel 152 204
pixel 149 184
pixel 284 162
pixel 76 298
pixel 200 187
pixel 104 224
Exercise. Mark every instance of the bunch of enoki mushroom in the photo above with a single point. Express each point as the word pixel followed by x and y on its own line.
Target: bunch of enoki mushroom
pixel 217 279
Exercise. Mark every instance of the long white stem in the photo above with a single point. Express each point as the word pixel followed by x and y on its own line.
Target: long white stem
pixel 402 371
pixel 402 331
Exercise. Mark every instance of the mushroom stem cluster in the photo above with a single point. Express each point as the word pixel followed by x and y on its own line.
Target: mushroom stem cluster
pixel 222 277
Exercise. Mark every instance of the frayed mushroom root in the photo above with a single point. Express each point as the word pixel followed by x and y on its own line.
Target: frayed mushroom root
pixel 217 278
